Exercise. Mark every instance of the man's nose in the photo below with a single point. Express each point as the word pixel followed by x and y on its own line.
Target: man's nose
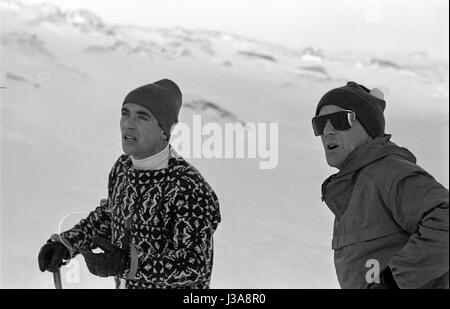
pixel 130 123
pixel 329 129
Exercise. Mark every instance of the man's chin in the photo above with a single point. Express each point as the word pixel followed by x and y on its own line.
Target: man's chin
pixel 333 162
pixel 127 150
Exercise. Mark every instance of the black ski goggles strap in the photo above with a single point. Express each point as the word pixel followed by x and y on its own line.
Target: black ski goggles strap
pixel 342 120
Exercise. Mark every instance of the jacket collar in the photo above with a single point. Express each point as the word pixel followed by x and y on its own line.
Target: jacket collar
pixel 368 153
pixel 372 151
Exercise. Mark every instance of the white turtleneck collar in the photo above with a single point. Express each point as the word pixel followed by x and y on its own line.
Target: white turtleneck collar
pixel 157 161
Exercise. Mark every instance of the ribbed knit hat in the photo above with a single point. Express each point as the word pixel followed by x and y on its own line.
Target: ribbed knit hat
pixel 162 98
pixel 368 105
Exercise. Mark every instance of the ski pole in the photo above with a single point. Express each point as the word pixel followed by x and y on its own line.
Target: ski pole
pixel 57 279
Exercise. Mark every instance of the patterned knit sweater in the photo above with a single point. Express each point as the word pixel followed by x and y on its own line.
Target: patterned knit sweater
pixel 170 214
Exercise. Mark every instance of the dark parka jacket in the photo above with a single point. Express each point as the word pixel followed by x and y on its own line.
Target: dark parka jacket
pixel 388 210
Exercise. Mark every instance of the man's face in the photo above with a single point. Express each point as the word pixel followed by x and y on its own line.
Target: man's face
pixel 346 140
pixel 141 134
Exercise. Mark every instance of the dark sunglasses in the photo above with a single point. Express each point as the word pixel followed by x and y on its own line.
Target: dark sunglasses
pixel 342 120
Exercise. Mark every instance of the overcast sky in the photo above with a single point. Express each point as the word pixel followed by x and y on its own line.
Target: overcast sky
pixel 377 25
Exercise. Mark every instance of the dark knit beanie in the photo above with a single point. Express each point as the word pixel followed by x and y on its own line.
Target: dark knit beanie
pixel 368 105
pixel 162 98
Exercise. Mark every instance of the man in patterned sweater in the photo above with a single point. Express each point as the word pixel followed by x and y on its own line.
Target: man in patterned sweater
pixel 156 226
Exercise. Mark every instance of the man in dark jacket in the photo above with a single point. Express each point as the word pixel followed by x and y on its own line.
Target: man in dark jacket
pixel 391 216
pixel 156 226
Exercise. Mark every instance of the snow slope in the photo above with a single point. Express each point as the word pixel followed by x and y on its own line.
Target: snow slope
pixel 66 74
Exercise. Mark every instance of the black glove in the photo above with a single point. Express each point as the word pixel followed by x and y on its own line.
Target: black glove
pixel 112 262
pixel 51 256
pixel 387 281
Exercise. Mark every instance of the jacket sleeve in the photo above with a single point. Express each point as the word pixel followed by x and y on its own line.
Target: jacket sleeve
pixel 97 223
pixel 188 258
pixel 419 205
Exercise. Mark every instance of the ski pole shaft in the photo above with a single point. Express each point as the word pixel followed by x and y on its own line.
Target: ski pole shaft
pixel 57 279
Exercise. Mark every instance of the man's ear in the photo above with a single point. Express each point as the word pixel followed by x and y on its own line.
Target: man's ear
pixel 164 136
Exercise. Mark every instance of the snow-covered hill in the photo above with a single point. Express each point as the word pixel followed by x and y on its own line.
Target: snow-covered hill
pixel 67 72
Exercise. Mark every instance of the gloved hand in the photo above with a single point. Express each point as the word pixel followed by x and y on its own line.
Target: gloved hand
pixel 51 256
pixel 112 262
pixel 387 281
